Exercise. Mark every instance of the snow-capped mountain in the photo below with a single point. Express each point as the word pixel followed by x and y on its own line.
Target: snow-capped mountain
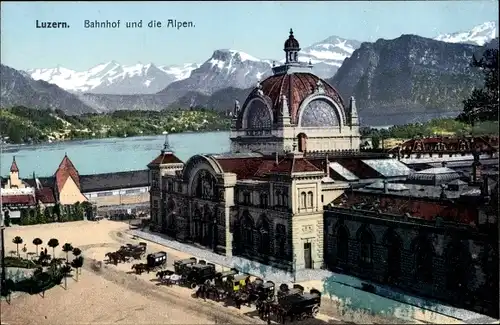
pixel 114 78
pixel 236 69
pixel 478 35
pixel 225 68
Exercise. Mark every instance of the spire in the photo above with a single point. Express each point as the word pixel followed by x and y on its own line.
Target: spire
pixel 166 145
pixel 352 107
pixel 237 108
pixel 320 88
pixel 13 167
pixel 291 32
pixel 259 89
pixel 285 111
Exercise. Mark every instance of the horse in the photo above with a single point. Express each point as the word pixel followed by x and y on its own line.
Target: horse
pixel 113 257
pixel 139 268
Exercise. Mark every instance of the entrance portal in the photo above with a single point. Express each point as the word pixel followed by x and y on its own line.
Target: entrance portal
pixel 308 255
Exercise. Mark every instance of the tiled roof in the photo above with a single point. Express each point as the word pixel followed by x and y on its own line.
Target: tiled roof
pixel 244 168
pixel 296 87
pixel 260 167
pixel 291 165
pixel 18 199
pixel 45 195
pixel 166 157
pixel 112 181
pixel 66 170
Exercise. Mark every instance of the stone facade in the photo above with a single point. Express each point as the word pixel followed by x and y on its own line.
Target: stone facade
pixel 278 222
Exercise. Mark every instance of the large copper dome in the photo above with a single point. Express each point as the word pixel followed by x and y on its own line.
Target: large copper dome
pixel 296 87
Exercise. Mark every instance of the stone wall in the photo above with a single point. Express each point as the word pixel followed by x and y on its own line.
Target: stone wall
pixel 441 241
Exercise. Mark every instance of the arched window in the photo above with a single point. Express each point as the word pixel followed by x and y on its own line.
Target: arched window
pixel 423 259
pixel 171 213
pixel 264 236
pixel 319 113
pixel 280 240
pixel 259 116
pixel 197 233
pixel 303 200
pixel 366 247
pixel 394 246
pixel 248 230
pixel 342 244
pixel 310 199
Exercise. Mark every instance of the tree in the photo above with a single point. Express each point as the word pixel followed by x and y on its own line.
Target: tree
pixel 77 264
pixel 67 248
pixel 18 241
pixel 65 271
pixel 53 242
pixel 77 252
pixel 6 218
pixel 56 210
pixel 37 242
pixel 47 215
pixel 25 216
pixel 482 105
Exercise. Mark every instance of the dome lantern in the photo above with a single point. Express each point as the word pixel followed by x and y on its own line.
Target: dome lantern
pixel 291 49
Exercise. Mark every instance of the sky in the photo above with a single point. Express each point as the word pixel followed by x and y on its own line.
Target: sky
pixel 258 28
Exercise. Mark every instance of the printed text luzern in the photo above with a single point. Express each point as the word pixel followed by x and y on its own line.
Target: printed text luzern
pixel 51 24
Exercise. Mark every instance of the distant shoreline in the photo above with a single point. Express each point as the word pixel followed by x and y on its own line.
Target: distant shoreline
pixel 9 147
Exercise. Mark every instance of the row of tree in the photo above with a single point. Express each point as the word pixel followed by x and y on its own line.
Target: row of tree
pixel 57 213
pixel 59 268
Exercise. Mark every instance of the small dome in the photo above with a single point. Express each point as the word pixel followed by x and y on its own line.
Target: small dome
pixel 291 43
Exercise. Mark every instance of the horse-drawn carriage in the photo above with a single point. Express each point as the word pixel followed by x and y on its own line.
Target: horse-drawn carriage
pixel 156 260
pixel 200 274
pixel 298 306
pixel 181 266
pixel 285 291
pixel 127 253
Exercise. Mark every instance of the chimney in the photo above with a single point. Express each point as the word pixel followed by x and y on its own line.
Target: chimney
pixel 386 189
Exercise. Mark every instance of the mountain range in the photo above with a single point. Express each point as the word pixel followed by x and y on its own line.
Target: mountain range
pixel 213 83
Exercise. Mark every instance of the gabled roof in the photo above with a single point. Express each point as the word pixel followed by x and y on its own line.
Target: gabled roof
pixel 66 170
